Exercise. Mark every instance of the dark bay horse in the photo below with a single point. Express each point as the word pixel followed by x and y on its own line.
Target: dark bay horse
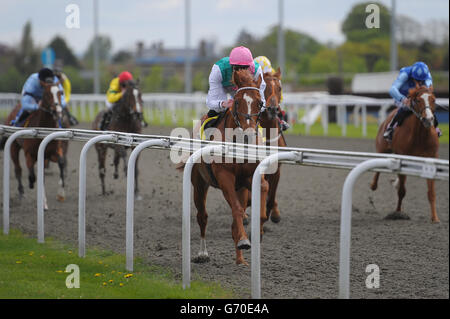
pixel 126 117
pixel 233 179
pixel 416 136
pixel 49 114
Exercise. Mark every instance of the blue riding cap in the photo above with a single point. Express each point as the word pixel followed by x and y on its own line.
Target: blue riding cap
pixel 420 71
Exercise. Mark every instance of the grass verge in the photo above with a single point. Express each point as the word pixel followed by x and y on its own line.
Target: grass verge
pixel 32 270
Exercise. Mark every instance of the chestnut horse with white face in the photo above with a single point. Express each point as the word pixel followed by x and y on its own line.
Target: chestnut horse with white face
pixel 233 179
pixel 416 136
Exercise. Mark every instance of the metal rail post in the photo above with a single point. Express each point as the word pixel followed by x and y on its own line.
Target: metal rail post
pixel 40 180
pixel 130 196
pixel 186 224
pixel 82 190
pixel 346 216
pixel 6 165
pixel 256 213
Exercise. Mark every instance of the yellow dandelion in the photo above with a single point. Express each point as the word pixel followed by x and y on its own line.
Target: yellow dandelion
pixel 121 284
pixel 111 281
pixel 104 283
pixel 100 262
pixel 97 275
pixel 18 261
pixel 128 275
pixel 59 271
pixel 69 251
pixel 31 253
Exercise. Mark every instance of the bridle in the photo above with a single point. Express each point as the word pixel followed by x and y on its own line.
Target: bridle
pixel 413 105
pixel 245 115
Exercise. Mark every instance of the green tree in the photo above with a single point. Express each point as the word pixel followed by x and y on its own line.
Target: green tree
pixel 27 58
pixel 104 50
pixel 63 52
pixel 354 26
pixel 154 81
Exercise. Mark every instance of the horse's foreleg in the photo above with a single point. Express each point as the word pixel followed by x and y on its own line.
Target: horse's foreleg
pixel 401 192
pixel 116 161
pixel 61 196
pixel 200 192
pixel 226 182
pixel 272 204
pixel 17 169
pixel 30 165
pixel 374 184
pixel 432 200
pixel 137 196
pixel 101 154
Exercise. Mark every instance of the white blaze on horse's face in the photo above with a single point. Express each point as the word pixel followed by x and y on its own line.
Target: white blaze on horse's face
pixel 428 114
pixel 54 90
pixel 138 103
pixel 249 101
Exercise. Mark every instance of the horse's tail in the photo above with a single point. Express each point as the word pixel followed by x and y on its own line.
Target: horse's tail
pixel 3 142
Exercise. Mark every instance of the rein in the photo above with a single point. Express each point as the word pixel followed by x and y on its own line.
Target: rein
pixel 413 104
pixel 245 115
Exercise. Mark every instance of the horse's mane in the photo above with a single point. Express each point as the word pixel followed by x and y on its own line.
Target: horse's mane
pixel 243 78
pixel 418 89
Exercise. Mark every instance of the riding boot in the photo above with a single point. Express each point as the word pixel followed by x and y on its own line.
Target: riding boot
pixel 21 117
pixel 390 128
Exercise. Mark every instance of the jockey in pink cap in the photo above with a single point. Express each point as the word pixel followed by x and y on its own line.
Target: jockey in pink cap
pixel 220 84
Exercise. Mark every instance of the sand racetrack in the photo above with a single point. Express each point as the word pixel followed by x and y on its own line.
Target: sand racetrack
pixel 299 255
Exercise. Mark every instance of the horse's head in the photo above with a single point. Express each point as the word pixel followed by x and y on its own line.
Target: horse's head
pixel 131 101
pixel 51 100
pixel 247 100
pixel 272 93
pixel 423 104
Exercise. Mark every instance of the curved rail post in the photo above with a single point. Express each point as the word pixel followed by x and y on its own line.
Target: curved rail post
pixel 130 196
pixel 6 171
pixel 40 179
pixel 82 190
pixel 256 213
pixel 346 216
pixel 186 224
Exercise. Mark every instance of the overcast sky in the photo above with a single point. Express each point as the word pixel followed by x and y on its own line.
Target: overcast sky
pixel 127 22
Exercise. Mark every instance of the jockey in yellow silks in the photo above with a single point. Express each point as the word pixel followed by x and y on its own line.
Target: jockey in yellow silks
pixel 67 88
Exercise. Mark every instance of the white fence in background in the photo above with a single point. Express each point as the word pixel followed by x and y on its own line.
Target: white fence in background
pixel 179 109
pixel 357 162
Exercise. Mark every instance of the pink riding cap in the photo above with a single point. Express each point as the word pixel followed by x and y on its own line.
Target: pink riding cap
pixel 242 56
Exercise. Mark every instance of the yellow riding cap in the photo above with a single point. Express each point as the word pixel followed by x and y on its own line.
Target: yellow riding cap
pixel 265 64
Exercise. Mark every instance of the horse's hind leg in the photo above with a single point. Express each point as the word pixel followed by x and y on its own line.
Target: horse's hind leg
pixel 432 201
pixel 401 191
pixel 374 184
pixel 116 161
pixel 200 192
pixel 137 196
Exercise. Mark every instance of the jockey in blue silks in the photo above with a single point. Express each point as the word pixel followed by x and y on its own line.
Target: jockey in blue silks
pixel 406 80
pixel 32 92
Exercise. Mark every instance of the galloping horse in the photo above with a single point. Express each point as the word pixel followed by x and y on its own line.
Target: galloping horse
pixel 49 114
pixel 417 137
pixel 234 179
pixel 126 117
pixel 269 121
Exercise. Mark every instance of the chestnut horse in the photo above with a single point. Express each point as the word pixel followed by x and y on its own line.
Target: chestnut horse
pixel 49 114
pixel 233 179
pixel 416 136
pixel 126 117
pixel 274 136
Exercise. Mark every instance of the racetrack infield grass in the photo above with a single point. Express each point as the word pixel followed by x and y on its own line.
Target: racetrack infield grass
pixel 29 270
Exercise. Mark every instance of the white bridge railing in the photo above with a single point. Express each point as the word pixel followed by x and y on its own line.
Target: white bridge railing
pixel 180 109
pixel 357 162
